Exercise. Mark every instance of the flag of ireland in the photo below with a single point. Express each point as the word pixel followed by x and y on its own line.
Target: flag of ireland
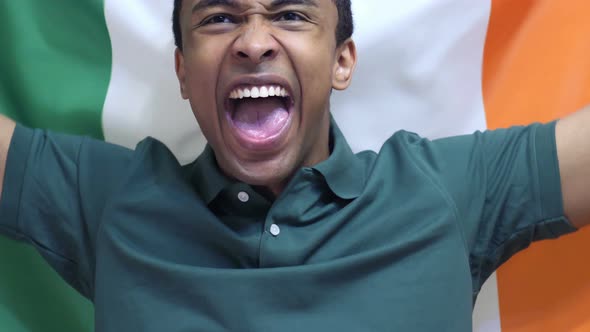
pixel 104 68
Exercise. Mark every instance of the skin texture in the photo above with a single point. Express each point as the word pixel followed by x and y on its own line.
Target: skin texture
pixel 295 43
pixel 6 131
pixel 573 150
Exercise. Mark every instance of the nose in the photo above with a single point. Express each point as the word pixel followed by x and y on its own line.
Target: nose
pixel 256 44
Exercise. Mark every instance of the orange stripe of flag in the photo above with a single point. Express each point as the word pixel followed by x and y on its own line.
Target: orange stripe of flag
pixel 537 68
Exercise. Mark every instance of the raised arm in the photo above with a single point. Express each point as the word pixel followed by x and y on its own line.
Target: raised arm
pixel 6 131
pixel 573 150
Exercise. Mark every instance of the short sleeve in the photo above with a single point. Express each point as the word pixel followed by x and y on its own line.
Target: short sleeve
pixel 55 188
pixel 506 190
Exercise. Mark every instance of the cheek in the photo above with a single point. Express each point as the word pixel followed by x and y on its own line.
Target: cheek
pixel 201 97
pixel 314 60
pixel 203 65
pixel 316 75
pixel 200 72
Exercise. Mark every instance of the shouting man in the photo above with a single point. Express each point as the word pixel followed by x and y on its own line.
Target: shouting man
pixel 278 226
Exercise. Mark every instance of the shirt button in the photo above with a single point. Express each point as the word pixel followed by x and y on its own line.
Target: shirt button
pixel 243 196
pixel 275 230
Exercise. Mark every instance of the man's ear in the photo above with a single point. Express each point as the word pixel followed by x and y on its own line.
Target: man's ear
pixel 344 65
pixel 180 72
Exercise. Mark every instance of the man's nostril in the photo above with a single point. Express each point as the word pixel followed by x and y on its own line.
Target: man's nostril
pixel 268 54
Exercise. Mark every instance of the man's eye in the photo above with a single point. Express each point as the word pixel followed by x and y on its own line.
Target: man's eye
pixel 218 19
pixel 290 16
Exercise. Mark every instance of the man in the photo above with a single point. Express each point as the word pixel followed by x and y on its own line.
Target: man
pixel 278 226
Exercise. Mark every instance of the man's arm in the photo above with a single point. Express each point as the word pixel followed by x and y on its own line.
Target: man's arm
pixel 573 150
pixel 6 131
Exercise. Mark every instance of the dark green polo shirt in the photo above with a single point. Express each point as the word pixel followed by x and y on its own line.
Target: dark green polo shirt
pixel 399 240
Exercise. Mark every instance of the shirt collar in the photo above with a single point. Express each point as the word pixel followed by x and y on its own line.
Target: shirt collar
pixel 343 171
pixel 206 176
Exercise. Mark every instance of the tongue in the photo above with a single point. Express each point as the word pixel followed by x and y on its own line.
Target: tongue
pixel 260 118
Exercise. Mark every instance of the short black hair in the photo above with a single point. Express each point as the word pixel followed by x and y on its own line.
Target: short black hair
pixel 344 29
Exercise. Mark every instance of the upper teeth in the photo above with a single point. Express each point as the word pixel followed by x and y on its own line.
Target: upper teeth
pixel 258 92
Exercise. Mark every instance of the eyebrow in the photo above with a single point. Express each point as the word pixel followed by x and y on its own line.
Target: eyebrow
pixel 204 4
pixel 282 3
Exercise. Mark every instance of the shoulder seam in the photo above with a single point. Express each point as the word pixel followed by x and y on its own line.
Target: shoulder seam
pixel 447 197
pixel 139 148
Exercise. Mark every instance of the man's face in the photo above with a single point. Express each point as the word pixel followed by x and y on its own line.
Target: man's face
pixel 258 75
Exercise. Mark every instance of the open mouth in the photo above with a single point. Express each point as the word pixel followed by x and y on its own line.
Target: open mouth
pixel 260 114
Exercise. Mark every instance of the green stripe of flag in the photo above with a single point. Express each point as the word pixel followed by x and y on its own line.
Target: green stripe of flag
pixel 55 65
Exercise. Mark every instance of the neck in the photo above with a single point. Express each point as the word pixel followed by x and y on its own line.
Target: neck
pixel 319 151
